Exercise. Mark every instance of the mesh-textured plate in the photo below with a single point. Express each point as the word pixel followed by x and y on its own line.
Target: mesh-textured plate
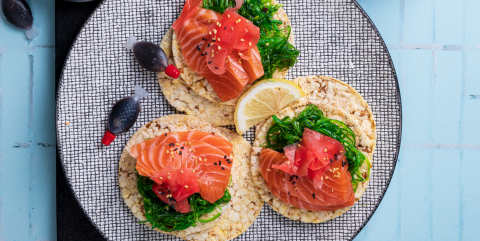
pixel 336 38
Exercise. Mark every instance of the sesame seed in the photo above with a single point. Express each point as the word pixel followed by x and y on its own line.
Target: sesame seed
pixel 341 151
pixel 67 123
pixel 182 147
pixel 167 151
pixel 177 144
pixel 215 67
pixel 165 134
pixel 215 31
pixel 288 163
pixel 181 171
pixel 249 43
pixel 219 163
pixel 288 193
pixel 219 47
pixel 218 39
pixel 175 149
pixel 231 28
pixel 223 168
pixel 283 179
pixel 161 178
pixel 295 188
pixel 225 28
pixel 325 150
pixel 228 15
pixel 326 177
pixel 239 20
pixel 202 54
pixel 206 53
pixel 299 145
pixel 332 189
pixel 219 24
pixel 242 39
pixel 209 31
pixel 331 160
pixel 293 183
pixel 215 163
pixel 186 186
pixel 225 157
pixel 313 195
pixel 180 153
pixel 228 160
pixel 268 170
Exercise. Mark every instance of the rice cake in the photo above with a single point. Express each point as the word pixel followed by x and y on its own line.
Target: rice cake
pixel 200 85
pixel 244 197
pixel 363 143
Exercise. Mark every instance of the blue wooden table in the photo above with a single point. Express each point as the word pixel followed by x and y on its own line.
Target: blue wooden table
pixel 435 46
pixel 434 195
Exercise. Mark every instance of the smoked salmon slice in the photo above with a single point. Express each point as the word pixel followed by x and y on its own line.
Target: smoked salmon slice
pixel 253 64
pixel 204 153
pixel 196 30
pixel 335 193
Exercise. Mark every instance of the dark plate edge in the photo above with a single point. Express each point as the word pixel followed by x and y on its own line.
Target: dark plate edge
pixel 59 147
pixel 399 138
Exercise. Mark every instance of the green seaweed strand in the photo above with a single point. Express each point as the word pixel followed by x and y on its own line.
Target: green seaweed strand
pixel 288 130
pixel 164 217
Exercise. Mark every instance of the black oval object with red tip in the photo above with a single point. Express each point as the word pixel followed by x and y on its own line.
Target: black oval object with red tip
pixel 151 57
pixel 124 115
pixel 18 13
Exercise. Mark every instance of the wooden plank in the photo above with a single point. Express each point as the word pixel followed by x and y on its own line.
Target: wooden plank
pixel 447 97
pixel 27 118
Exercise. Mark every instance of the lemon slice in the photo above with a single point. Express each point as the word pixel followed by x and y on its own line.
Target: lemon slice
pixel 263 100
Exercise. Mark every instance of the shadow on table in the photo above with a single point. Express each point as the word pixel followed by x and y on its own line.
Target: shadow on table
pixel 72 223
